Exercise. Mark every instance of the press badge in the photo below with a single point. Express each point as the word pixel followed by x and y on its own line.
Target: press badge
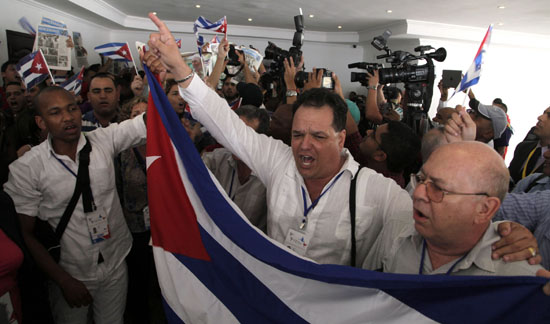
pixel 98 226
pixel 297 241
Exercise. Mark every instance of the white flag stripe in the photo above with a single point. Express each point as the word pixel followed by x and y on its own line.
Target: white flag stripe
pixel 199 302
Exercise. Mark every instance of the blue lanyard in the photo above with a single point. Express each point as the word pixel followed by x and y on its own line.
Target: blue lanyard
pixel 66 167
pixel 424 253
pixel 231 187
pixel 308 209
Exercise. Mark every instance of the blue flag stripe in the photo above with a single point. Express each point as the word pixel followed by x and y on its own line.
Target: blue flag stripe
pixel 233 284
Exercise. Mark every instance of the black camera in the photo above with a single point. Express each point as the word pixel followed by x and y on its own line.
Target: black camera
pixel 418 79
pixel 302 77
pixel 277 55
pixel 362 76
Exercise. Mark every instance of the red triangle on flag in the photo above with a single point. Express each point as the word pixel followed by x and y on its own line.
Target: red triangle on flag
pixel 39 64
pixel 124 51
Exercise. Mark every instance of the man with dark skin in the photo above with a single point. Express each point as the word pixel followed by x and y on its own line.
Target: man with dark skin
pixel 91 269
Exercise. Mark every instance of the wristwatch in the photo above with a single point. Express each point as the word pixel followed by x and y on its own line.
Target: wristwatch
pixel 291 93
pixel 372 87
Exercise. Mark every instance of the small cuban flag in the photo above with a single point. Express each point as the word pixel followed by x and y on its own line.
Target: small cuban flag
pixel 74 83
pixel 115 51
pixel 474 72
pixel 33 69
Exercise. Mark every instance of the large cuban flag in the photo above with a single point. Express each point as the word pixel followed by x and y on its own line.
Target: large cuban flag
pixel 214 267
pixel 474 72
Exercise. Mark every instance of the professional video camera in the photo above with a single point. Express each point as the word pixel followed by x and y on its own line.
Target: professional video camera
pixel 418 79
pixel 278 55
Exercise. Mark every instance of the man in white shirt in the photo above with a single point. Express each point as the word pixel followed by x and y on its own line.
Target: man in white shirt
pixel 308 184
pixel 91 270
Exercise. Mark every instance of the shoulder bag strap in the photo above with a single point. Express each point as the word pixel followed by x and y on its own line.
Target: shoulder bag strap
pixel 84 161
pixel 352 191
pixel 534 182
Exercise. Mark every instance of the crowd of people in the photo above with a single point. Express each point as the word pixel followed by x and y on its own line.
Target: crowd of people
pixel 435 202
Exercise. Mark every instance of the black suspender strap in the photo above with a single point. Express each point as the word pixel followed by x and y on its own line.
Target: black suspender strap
pixel 82 186
pixel 352 192
pixel 534 182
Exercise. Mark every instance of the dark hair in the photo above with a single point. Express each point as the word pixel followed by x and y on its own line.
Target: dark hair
pixel 47 90
pixel 401 146
pixel 168 85
pixel 13 83
pixel 8 63
pixel 391 93
pixel 319 97
pixel 104 75
pixel 252 112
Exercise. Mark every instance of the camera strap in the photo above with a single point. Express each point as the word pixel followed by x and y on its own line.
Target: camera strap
pixel 352 202
pixel 82 180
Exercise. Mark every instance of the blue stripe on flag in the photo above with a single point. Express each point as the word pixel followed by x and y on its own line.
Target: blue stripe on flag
pixel 171 316
pixel 238 289
pixel 442 298
pixel 109 45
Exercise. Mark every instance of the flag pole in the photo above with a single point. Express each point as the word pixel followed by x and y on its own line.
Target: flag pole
pixel 47 67
pixel 133 62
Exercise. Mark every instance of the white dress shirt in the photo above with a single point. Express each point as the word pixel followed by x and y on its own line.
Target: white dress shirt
pixel 328 224
pixel 249 196
pixel 41 186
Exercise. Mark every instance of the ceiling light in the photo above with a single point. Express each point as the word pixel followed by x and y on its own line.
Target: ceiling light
pixel 339 27
pixel 501 7
pixel 197 6
pixel 249 19
pixel 501 24
pixel 389 11
pixel 311 16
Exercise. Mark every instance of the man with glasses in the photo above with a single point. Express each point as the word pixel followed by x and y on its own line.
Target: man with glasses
pixel 457 193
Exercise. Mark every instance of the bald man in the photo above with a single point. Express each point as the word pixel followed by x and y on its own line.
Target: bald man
pixel 458 191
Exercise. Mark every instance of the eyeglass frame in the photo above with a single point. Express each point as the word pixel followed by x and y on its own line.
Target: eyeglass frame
pixel 415 181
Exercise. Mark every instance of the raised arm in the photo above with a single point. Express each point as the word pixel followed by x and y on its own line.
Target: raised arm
pixel 372 112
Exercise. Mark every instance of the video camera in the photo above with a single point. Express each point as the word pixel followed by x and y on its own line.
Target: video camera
pixel 418 79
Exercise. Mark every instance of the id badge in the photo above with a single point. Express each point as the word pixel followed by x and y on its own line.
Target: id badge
pixel 297 241
pixel 98 225
pixel 146 217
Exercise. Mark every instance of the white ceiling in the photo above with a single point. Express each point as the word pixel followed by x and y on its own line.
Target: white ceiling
pixel 527 16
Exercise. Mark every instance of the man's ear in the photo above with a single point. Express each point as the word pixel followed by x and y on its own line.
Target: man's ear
pixel 341 138
pixel 379 156
pixel 486 209
pixel 40 122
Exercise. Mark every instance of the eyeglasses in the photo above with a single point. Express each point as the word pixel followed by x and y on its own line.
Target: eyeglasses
pixel 434 192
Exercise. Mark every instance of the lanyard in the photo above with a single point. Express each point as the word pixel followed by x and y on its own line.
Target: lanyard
pixel 523 174
pixel 424 253
pixel 63 164
pixel 231 186
pixel 314 203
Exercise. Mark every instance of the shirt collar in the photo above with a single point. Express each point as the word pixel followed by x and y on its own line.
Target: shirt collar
pixel 49 146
